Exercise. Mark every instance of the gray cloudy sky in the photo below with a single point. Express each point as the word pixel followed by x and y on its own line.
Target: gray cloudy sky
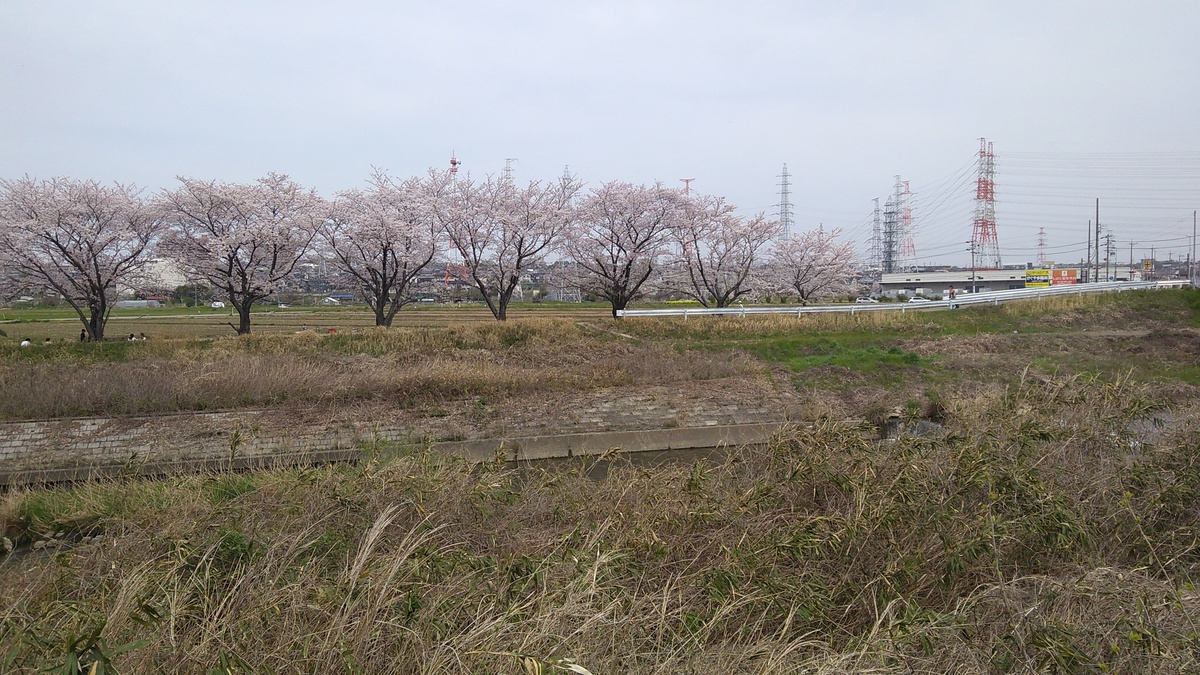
pixel 1082 99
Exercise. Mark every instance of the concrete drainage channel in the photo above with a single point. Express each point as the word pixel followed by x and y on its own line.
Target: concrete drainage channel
pixel 651 443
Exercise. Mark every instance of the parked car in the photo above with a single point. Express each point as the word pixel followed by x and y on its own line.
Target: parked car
pixel 915 299
pixel 866 301
pixel 217 304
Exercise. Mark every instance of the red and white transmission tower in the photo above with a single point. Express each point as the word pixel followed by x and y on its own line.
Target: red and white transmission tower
pixel 983 233
pixel 454 163
pixel 687 185
pixel 1041 259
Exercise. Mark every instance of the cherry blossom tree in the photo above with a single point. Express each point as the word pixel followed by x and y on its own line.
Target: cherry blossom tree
pixel 385 236
pixel 719 251
pixel 813 265
pixel 501 230
pixel 620 235
pixel 81 239
pixel 242 239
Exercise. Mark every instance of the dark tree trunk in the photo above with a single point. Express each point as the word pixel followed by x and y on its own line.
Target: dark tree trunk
pixel 97 314
pixel 381 313
pixel 96 327
pixel 504 299
pixel 243 310
pixel 618 304
pixel 493 305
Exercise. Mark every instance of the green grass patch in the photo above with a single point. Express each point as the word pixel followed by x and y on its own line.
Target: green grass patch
pixel 229 487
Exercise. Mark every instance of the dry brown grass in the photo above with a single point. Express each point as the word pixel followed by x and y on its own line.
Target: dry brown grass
pixel 410 365
pixel 1048 530
pixel 400 365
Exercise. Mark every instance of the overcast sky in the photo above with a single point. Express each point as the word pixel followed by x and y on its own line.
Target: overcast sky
pixel 1081 99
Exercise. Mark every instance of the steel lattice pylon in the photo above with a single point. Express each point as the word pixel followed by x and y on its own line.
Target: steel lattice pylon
pixel 891 237
pixel 908 247
pixel 875 255
pixel 983 233
pixel 785 204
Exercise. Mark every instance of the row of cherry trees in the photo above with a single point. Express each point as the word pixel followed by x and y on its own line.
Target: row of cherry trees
pixel 86 241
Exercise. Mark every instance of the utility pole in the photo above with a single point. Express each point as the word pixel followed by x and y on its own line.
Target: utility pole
pixel 971 248
pixel 1097 239
pixel 1131 243
pixel 1109 252
pixel 1088 268
pixel 1192 257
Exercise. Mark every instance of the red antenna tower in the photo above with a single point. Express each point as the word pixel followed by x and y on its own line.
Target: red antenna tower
pixel 687 185
pixel 983 233
pixel 453 164
pixel 1041 259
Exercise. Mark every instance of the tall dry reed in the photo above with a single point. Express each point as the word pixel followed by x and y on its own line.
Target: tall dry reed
pixel 1048 527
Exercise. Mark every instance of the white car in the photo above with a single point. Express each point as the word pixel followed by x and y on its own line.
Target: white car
pixel 218 305
pixel 915 299
pixel 866 301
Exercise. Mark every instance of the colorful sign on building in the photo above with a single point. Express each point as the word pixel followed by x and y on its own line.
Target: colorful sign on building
pixel 1036 278
pixel 1064 277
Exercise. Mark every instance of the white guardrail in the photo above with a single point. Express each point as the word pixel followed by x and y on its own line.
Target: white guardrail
pixel 986 298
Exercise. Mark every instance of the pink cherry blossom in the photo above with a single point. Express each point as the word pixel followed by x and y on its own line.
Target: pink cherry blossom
pixel 813 265
pixel 243 239
pixel 719 252
pixel 621 235
pixel 385 236
pixel 83 240
pixel 501 230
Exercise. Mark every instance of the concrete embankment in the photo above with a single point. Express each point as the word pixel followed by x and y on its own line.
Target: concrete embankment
pixel 553 424
pixel 516 449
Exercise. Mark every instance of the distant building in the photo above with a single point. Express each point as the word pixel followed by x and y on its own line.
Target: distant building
pixel 938 283
pixel 136 304
pixel 162 273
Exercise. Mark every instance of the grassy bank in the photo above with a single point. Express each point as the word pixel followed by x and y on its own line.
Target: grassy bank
pixel 402 366
pixel 1145 333
pixel 1051 527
